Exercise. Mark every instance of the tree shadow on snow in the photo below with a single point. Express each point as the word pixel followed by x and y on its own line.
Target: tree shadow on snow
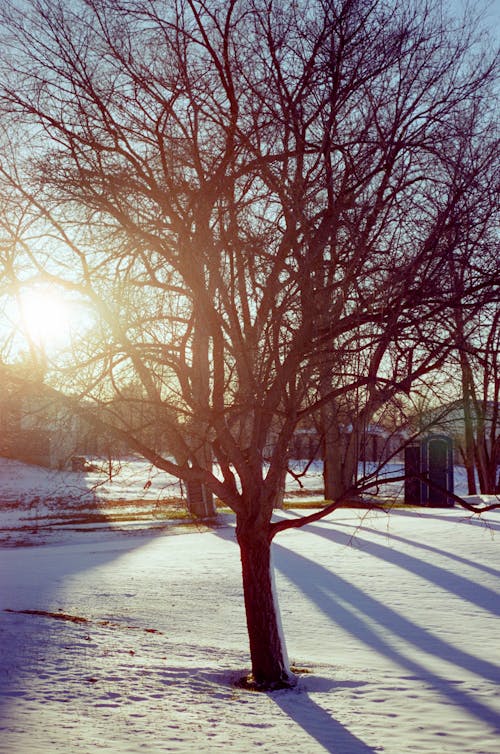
pixel 318 723
pixel 450 581
pixel 315 721
pixel 346 604
pixel 31 597
pixel 472 519
pixel 421 546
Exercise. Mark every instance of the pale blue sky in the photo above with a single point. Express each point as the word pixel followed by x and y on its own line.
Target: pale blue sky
pixel 491 12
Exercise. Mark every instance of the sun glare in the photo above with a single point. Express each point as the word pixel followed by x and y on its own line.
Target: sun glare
pixel 46 317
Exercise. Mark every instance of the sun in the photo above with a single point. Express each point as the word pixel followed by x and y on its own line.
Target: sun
pixel 46 317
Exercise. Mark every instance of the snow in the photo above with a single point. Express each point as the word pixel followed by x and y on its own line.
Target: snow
pixel 393 616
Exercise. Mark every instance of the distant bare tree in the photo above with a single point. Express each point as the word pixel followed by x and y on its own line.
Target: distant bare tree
pixel 474 418
pixel 475 326
pixel 245 193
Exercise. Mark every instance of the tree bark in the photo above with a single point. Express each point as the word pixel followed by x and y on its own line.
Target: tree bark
pixel 339 462
pixel 270 668
pixel 468 426
pixel 200 501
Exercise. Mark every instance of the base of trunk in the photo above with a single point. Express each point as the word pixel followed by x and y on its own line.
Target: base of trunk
pixel 248 682
pixel 270 669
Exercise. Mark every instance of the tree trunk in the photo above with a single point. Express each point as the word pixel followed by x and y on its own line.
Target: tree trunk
pixel 267 650
pixel 339 463
pixel 469 460
pixel 332 465
pixel 467 394
pixel 200 501
pixel 281 488
pixel 484 455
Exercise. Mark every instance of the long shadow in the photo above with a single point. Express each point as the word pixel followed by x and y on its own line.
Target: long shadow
pixel 311 717
pixel 314 720
pixel 342 603
pixel 319 724
pixel 468 518
pixel 421 546
pixel 475 593
pixel 481 596
pixel 48 573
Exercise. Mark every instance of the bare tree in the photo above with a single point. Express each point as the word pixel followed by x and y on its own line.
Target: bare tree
pixel 240 191
pixel 475 324
pixel 475 417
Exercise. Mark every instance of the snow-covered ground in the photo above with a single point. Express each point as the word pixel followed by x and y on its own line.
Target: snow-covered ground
pixel 132 639
pixel 35 501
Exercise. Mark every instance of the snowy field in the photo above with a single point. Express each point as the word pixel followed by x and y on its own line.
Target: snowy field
pixel 131 639
pixel 35 503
